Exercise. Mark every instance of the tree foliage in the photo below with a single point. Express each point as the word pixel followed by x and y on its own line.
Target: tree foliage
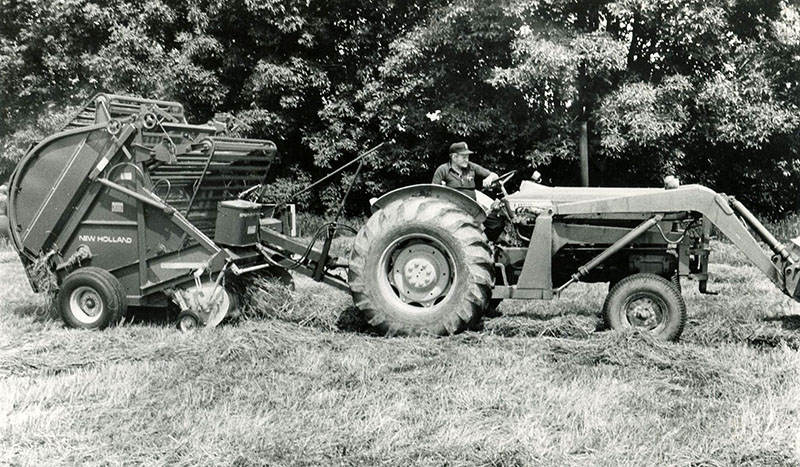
pixel 706 90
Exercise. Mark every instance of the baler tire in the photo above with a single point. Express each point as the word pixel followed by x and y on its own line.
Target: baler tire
pixel 187 321
pixel 650 294
pixel 123 299
pixel 446 244
pixel 88 287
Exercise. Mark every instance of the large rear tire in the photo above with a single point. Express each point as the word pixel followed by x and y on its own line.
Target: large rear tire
pixel 421 266
pixel 647 302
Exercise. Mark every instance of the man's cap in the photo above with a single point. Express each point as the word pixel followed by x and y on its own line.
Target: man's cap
pixel 460 148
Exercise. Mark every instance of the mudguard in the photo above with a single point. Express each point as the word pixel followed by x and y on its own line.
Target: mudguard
pixel 433 191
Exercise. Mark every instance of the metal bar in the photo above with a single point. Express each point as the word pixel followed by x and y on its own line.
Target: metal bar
pixel 357 159
pixel 202 176
pixel 326 247
pixel 141 229
pixel 306 270
pixel 328 279
pixel 611 250
pixel 713 206
pixel 78 214
pixel 239 271
pixel 772 242
pixel 513 291
pixel 276 239
pixel 109 223
pixel 167 209
pixel 117 143
pixel 347 193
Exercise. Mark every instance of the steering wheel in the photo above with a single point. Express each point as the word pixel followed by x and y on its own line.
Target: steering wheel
pixel 503 178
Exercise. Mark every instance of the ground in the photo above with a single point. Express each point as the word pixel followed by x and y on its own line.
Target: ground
pixel 300 382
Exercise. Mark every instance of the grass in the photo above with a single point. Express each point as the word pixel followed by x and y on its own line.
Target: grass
pixel 300 382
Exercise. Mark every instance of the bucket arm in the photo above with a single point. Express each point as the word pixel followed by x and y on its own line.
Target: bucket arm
pixel 724 212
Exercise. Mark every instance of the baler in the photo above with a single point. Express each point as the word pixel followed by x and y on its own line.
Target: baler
pixel 130 205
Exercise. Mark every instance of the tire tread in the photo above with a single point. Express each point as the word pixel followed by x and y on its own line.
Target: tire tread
pixel 471 241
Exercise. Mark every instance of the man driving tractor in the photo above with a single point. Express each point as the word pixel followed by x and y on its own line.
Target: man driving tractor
pixel 460 174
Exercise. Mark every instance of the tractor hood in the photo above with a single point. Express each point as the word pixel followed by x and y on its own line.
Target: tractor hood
pixel 532 194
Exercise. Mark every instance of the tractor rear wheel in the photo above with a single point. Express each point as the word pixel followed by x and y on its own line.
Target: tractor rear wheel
pixel 91 298
pixel 647 302
pixel 421 266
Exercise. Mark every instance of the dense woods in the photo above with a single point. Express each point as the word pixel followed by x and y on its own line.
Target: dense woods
pixel 706 90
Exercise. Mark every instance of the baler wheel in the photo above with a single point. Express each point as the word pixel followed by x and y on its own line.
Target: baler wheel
pixel 188 321
pixel 210 303
pixel 421 266
pixel 647 302
pixel 90 298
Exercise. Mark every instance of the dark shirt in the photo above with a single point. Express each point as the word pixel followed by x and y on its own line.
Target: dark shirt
pixel 464 181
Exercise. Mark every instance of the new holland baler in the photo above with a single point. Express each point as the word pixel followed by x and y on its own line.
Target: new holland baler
pixel 130 205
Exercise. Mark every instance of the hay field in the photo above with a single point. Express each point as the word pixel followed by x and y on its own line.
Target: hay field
pixel 303 384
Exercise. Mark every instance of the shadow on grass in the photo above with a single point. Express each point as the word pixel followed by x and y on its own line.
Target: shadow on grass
pixel 567 325
pixel 790 323
pixel 151 316
pixel 351 320
pixel 41 313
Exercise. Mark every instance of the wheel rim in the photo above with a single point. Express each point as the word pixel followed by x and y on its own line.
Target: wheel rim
pixel 418 271
pixel 212 302
pixel 187 323
pixel 645 311
pixel 86 305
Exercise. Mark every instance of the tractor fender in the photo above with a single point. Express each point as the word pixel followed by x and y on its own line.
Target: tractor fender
pixel 428 190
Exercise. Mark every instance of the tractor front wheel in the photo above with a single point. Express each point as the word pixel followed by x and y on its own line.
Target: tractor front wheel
pixel 647 302
pixel 421 266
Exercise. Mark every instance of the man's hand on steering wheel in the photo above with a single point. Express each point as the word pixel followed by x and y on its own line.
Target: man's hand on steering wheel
pixel 494 182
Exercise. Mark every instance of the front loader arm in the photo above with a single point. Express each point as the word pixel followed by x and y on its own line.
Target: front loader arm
pixel 728 215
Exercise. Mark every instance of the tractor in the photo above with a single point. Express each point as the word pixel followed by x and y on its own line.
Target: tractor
pixel 421 264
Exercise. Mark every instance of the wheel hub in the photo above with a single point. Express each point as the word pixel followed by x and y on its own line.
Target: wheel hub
pixel 210 302
pixel 421 274
pixel 644 312
pixel 89 305
pixel 86 304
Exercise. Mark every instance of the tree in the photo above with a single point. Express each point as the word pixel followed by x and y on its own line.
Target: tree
pixel 707 90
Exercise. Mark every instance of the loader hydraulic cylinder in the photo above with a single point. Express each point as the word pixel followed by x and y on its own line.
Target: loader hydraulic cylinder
pixel 614 248
pixel 773 243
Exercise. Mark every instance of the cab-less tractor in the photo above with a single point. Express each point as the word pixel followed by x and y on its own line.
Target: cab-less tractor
pixel 130 205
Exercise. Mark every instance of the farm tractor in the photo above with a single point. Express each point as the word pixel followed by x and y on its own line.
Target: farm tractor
pixel 130 205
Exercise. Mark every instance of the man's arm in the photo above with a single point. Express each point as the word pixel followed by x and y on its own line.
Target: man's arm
pixel 487 175
pixel 439 175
